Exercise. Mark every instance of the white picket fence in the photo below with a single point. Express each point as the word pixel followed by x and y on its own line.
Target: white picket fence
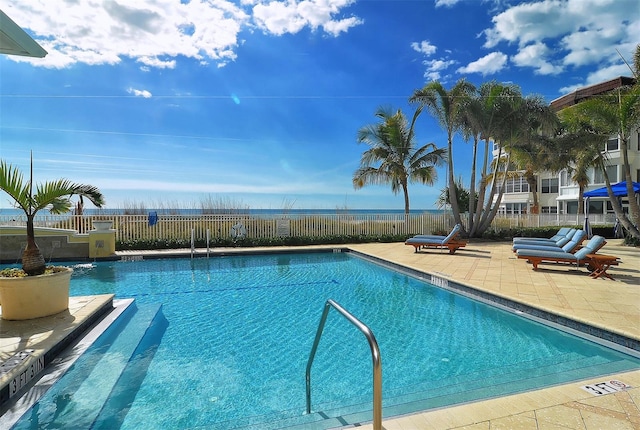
pixel 180 227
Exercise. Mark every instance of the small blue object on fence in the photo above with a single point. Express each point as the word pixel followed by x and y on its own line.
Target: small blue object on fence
pixel 153 218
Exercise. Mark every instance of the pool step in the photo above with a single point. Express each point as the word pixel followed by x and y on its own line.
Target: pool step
pixel 79 399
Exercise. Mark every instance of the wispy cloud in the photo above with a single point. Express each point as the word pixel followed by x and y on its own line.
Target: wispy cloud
pixel 487 65
pixel 140 93
pixel 424 47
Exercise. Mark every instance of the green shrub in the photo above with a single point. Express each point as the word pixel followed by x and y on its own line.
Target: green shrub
pixel 248 242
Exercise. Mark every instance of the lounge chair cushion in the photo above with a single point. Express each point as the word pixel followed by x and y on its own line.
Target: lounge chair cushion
pixel 537 243
pixel 592 247
pixel 568 246
pixel 436 239
pixel 563 232
pixel 550 255
pixel 594 244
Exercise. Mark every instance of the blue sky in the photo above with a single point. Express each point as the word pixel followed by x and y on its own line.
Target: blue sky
pixel 258 102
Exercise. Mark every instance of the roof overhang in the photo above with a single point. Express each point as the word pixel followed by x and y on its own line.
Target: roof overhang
pixel 567 197
pixel 15 41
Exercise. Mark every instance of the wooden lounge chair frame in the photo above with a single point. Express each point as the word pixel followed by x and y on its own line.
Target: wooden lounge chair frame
pixel 581 257
pixel 451 242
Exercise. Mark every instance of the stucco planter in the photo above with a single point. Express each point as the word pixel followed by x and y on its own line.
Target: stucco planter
pixel 35 296
pixel 102 225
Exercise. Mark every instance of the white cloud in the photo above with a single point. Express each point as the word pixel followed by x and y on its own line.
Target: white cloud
pixel 487 65
pixel 279 17
pixel 436 67
pixel 424 47
pixel 156 32
pixel 536 56
pixel 446 3
pixel 139 93
pixel 575 32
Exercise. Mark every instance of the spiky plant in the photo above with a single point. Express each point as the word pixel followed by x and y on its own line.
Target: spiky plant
pixel 54 195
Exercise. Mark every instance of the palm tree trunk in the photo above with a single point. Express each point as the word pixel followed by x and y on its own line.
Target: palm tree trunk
pixel 634 208
pixel 32 259
pixel 617 207
pixel 491 212
pixel 405 189
pixel 453 195
pixel 482 191
pixel 472 185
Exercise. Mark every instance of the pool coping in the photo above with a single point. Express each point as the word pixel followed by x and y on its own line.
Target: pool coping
pixel 27 365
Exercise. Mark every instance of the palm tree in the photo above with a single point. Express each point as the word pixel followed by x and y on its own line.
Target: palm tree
pixel 463 195
pixel 54 195
pixel 580 149
pixel 447 108
pixel 616 114
pixel 531 148
pixel 498 113
pixel 393 158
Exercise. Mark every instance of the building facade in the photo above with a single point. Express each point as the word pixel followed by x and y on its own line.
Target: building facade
pixel 557 193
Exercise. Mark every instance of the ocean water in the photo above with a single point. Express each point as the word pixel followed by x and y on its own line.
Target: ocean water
pixel 250 212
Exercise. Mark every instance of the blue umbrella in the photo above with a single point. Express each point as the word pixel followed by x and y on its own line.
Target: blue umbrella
pixel 619 190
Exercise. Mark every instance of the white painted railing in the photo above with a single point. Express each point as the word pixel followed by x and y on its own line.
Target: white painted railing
pixel 178 227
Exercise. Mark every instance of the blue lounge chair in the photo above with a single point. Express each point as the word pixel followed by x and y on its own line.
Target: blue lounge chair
pixel 561 234
pixel 456 228
pixel 451 241
pixel 562 245
pixel 537 256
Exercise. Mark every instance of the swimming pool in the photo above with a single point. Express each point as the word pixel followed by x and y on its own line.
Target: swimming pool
pixel 230 347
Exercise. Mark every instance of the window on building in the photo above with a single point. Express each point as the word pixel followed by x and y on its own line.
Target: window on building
pixel 572 207
pixel 515 208
pixel 565 178
pixel 612 173
pixel 613 144
pixel 596 207
pixel 550 186
pixel 516 185
pixel 549 209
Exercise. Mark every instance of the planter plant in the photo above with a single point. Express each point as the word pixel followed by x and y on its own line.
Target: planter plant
pixel 37 290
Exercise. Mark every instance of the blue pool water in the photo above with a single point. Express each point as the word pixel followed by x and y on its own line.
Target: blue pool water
pixel 231 344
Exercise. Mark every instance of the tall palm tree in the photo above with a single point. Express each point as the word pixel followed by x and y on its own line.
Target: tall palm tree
pixel 530 146
pixel 580 149
pixel 393 157
pixel 489 116
pixel 447 108
pixel 54 195
pixel 616 114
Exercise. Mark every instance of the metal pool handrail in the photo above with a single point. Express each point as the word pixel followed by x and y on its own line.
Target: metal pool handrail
pixel 375 356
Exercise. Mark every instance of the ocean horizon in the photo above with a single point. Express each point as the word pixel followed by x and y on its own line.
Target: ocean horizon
pixel 234 211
